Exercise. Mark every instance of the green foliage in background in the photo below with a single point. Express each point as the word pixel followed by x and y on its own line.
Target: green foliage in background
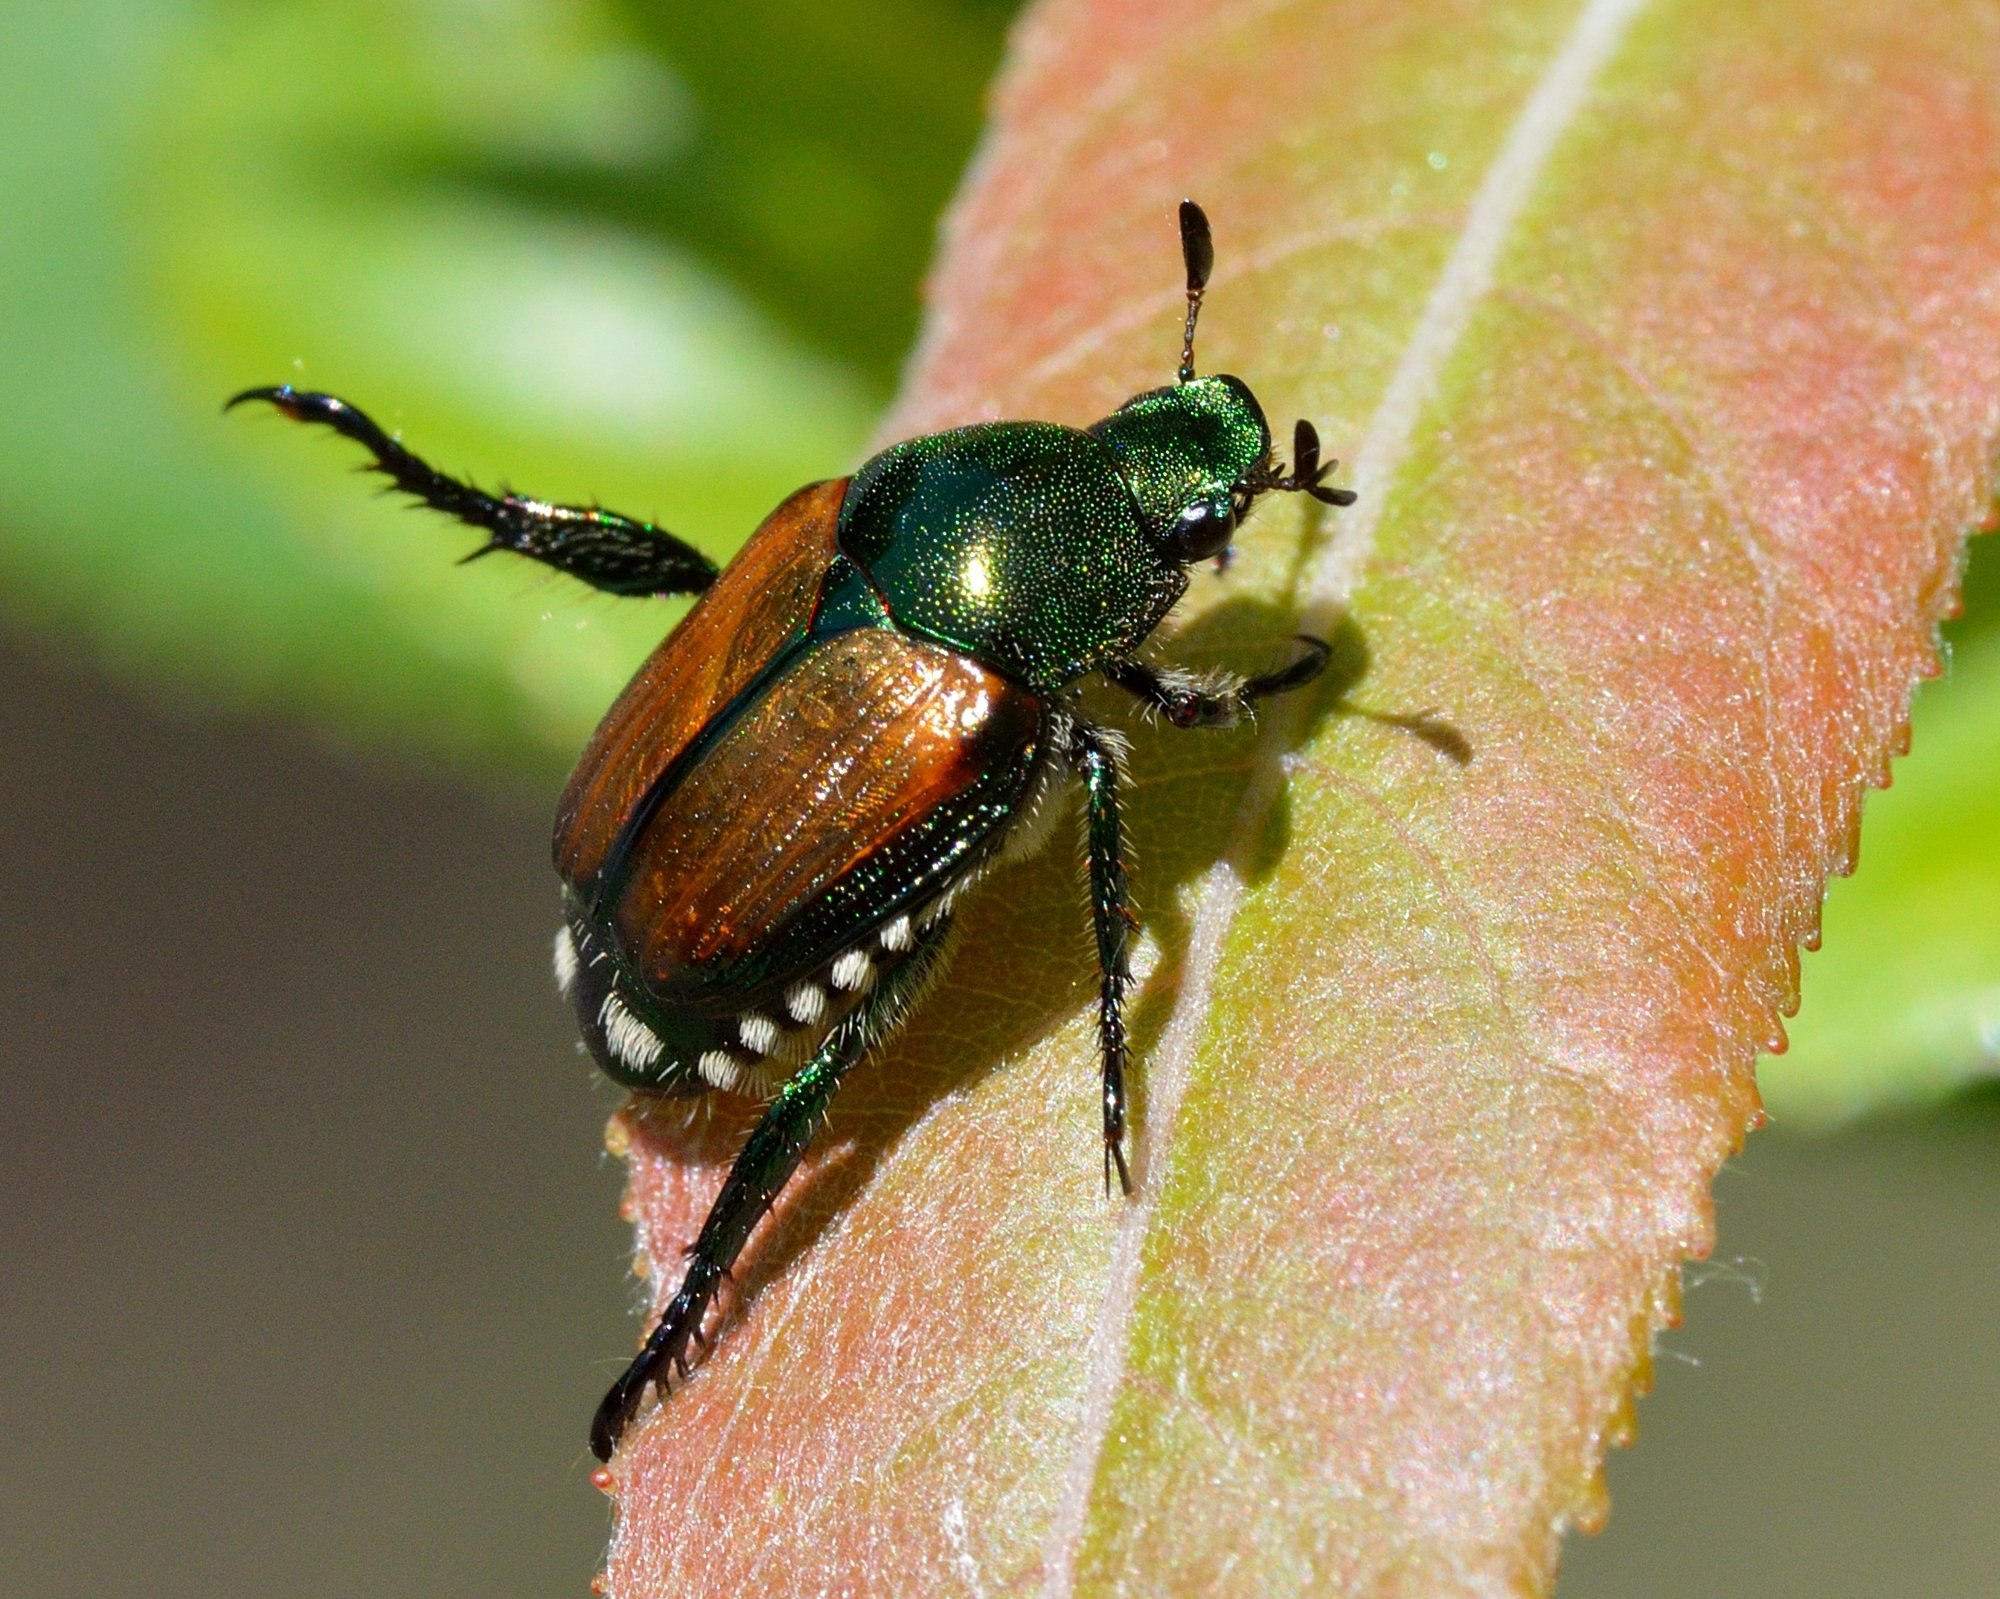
pixel 1902 1001
pixel 662 255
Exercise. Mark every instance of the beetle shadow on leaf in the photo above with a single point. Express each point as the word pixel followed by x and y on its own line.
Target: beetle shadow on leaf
pixel 1191 819
pixel 1025 962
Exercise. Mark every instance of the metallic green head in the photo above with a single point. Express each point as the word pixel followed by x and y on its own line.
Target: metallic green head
pixel 1193 455
pixel 1196 455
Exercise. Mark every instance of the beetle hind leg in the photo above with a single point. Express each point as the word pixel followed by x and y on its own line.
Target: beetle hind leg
pixel 766 1163
pixel 617 554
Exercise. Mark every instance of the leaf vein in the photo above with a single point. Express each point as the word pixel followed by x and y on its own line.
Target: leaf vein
pixel 1550 109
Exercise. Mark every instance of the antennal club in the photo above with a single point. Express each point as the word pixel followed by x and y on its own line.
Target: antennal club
pixel 1309 473
pixel 1198 251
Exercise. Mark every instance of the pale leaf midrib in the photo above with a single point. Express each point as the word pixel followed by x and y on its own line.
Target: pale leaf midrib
pixel 1550 108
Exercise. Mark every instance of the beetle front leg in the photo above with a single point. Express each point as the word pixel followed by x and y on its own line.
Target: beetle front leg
pixel 1186 700
pixel 610 552
pixel 1091 753
pixel 766 1163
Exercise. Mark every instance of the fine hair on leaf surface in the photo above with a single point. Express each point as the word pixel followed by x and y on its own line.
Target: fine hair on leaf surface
pixel 1663 343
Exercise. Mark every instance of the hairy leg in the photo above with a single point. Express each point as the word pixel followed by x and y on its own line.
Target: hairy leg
pixel 608 551
pixel 1186 700
pixel 1111 919
pixel 762 1169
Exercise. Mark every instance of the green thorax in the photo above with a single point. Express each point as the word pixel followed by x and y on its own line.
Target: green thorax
pixel 1017 542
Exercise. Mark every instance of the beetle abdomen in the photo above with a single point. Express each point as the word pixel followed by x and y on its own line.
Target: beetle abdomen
pixel 749 1052
pixel 764 597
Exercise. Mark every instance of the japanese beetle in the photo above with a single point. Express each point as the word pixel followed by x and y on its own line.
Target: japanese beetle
pixel 762 845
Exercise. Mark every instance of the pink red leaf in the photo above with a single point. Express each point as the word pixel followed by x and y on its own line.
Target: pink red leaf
pixel 1663 340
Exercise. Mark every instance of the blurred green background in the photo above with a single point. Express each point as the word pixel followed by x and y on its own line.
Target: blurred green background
pixel 313 1269
pixel 665 255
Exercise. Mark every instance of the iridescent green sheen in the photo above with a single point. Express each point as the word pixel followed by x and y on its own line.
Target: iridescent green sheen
pixel 1189 443
pixel 1041 549
pixel 1017 542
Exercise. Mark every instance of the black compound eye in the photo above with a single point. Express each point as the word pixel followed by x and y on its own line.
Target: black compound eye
pixel 1204 530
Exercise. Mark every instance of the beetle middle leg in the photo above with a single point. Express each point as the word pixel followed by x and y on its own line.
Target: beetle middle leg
pixel 765 1164
pixel 1188 701
pixel 617 554
pixel 1090 752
